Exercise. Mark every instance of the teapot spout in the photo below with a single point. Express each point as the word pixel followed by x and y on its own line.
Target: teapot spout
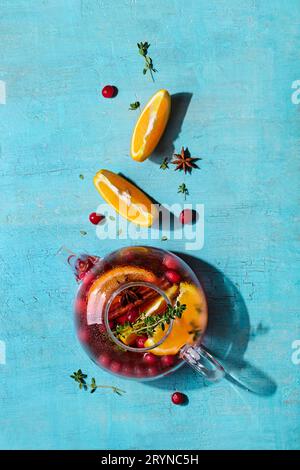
pixel 79 264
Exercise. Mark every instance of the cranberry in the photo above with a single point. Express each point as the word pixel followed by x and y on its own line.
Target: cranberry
pixel 122 319
pixel 170 262
pixel 80 306
pixel 88 279
pixel 127 370
pixel 83 335
pixel 102 328
pixel 167 361
pixel 172 276
pixel 139 371
pixel 96 218
pixel 104 359
pixel 140 342
pixel 187 216
pixel 109 91
pixel 115 367
pixel 81 265
pixel 132 315
pixel 127 255
pixel 152 370
pixel 150 359
pixel 81 276
pixel 178 398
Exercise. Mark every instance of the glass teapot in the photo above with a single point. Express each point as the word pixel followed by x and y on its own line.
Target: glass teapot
pixel 141 313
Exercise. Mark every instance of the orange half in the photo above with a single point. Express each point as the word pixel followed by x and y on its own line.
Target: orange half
pixel 129 201
pixel 150 125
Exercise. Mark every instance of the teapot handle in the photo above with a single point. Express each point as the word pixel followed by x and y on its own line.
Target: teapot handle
pixel 79 264
pixel 203 362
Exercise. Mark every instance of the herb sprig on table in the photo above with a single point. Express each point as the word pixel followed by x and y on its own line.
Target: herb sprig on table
pixel 80 378
pixel 134 106
pixel 182 188
pixel 165 164
pixel 147 324
pixel 143 50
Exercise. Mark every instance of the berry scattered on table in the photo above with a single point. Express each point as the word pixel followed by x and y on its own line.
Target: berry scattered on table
pixel 109 91
pixel 178 398
pixel 187 216
pixel 96 218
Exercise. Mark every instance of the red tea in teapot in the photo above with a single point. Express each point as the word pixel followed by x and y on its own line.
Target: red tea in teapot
pixel 136 308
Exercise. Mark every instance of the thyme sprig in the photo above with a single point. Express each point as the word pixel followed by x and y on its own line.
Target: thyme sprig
pixel 147 324
pixel 80 378
pixel 182 188
pixel 165 164
pixel 134 106
pixel 143 50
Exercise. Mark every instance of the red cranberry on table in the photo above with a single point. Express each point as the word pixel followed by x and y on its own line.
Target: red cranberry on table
pixel 178 398
pixel 150 359
pixel 187 216
pixel 140 342
pixel 109 91
pixel 173 276
pixel 96 218
pixel 167 361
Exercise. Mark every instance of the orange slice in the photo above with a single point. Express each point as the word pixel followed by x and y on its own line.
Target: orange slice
pixel 150 126
pixel 107 283
pixel 129 201
pixel 155 306
pixel 194 317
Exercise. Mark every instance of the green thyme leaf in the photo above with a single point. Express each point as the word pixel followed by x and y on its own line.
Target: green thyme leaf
pixel 134 106
pixel 165 164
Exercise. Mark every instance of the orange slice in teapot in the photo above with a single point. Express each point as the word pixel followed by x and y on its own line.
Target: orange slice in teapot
pixel 183 330
pixel 107 283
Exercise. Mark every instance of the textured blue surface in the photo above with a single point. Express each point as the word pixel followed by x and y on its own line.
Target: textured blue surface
pixel 238 60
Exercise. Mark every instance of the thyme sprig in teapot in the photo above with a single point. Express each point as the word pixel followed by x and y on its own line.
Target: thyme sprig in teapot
pixel 146 324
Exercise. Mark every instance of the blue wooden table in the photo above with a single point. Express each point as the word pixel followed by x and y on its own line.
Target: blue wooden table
pixel 232 69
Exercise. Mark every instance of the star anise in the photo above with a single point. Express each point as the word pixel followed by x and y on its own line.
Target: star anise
pixel 129 296
pixel 184 161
